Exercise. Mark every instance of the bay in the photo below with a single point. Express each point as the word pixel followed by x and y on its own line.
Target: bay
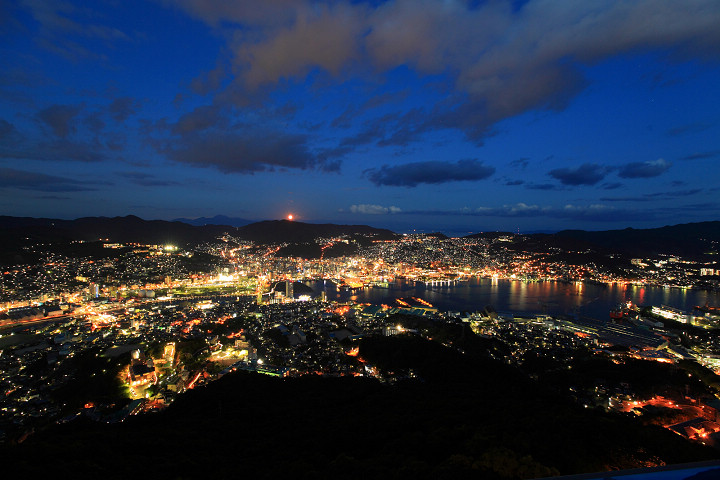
pixel 550 297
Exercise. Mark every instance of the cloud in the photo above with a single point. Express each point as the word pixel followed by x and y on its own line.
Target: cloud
pixel 367 209
pixel 55 150
pixel 94 122
pixel 345 119
pixel 500 58
pixel 543 186
pixel 58 18
pixel 60 118
pixel 9 136
pixel 702 206
pixel 24 180
pixel 201 118
pixel 63 144
pixel 211 136
pixel 147 180
pixel 407 128
pixel 392 129
pixel 207 82
pixel 678 193
pixel 373 131
pixel 6 129
pixel 585 174
pixel 246 151
pixel 53 197
pixel 689 128
pixel 121 108
pixel 626 199
pixel 517 210
pixel 514 182
pixel 652 168
pixel 324 36
pixel 701 155
pixel 520 163
pixel 261 14
pixel 431 172
pixel 600 213
pixel 65 29
pixel 652 197
pixel 592 212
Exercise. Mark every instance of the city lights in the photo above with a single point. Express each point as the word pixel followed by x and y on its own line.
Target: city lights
pixel 189 327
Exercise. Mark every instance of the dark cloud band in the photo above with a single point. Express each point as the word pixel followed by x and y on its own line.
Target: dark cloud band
pixel 432 172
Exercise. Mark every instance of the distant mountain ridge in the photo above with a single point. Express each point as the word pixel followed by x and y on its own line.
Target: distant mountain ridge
pixel 689 239
pixel 112 229
pixel 134 229
pixel 216 220
pixel 280 231
pixel 20 232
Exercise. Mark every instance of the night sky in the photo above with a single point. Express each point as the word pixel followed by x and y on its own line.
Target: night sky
pixel 409 114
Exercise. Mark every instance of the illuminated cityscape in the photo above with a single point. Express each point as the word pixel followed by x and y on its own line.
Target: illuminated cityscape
pixel 411 239
pixel 128 329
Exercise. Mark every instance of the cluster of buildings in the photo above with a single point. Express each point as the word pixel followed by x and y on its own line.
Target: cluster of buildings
pixel 133 269
pixel 161 321
pixel 549 348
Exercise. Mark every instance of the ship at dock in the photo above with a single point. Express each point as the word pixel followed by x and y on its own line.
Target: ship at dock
pixel 623 311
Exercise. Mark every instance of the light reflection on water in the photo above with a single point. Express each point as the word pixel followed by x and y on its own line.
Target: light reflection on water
pixel 517 296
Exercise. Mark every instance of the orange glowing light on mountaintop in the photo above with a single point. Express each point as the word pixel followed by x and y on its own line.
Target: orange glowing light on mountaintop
pixel 290 216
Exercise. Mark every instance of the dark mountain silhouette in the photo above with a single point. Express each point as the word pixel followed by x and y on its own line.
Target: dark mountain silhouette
pixel 489 235
pixel 281 231
pixel 438 235
pixel 115 229
pixel 688 240
pixel 691 240
pixel 216 220
pixel 299 238
pixel 134 229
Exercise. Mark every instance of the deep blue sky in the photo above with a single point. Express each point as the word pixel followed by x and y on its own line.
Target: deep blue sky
pixel 437 115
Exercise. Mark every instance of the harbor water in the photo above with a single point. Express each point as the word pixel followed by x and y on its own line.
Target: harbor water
pixel 550 297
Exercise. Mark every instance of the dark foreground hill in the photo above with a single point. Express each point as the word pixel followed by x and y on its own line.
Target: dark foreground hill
pixel 467 418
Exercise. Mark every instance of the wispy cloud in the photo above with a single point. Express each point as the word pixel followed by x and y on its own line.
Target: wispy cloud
pixel 701 155
pixel 647 169
pixel 591 212
pixel 25 180
pixel 367 209
pixel 651 197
